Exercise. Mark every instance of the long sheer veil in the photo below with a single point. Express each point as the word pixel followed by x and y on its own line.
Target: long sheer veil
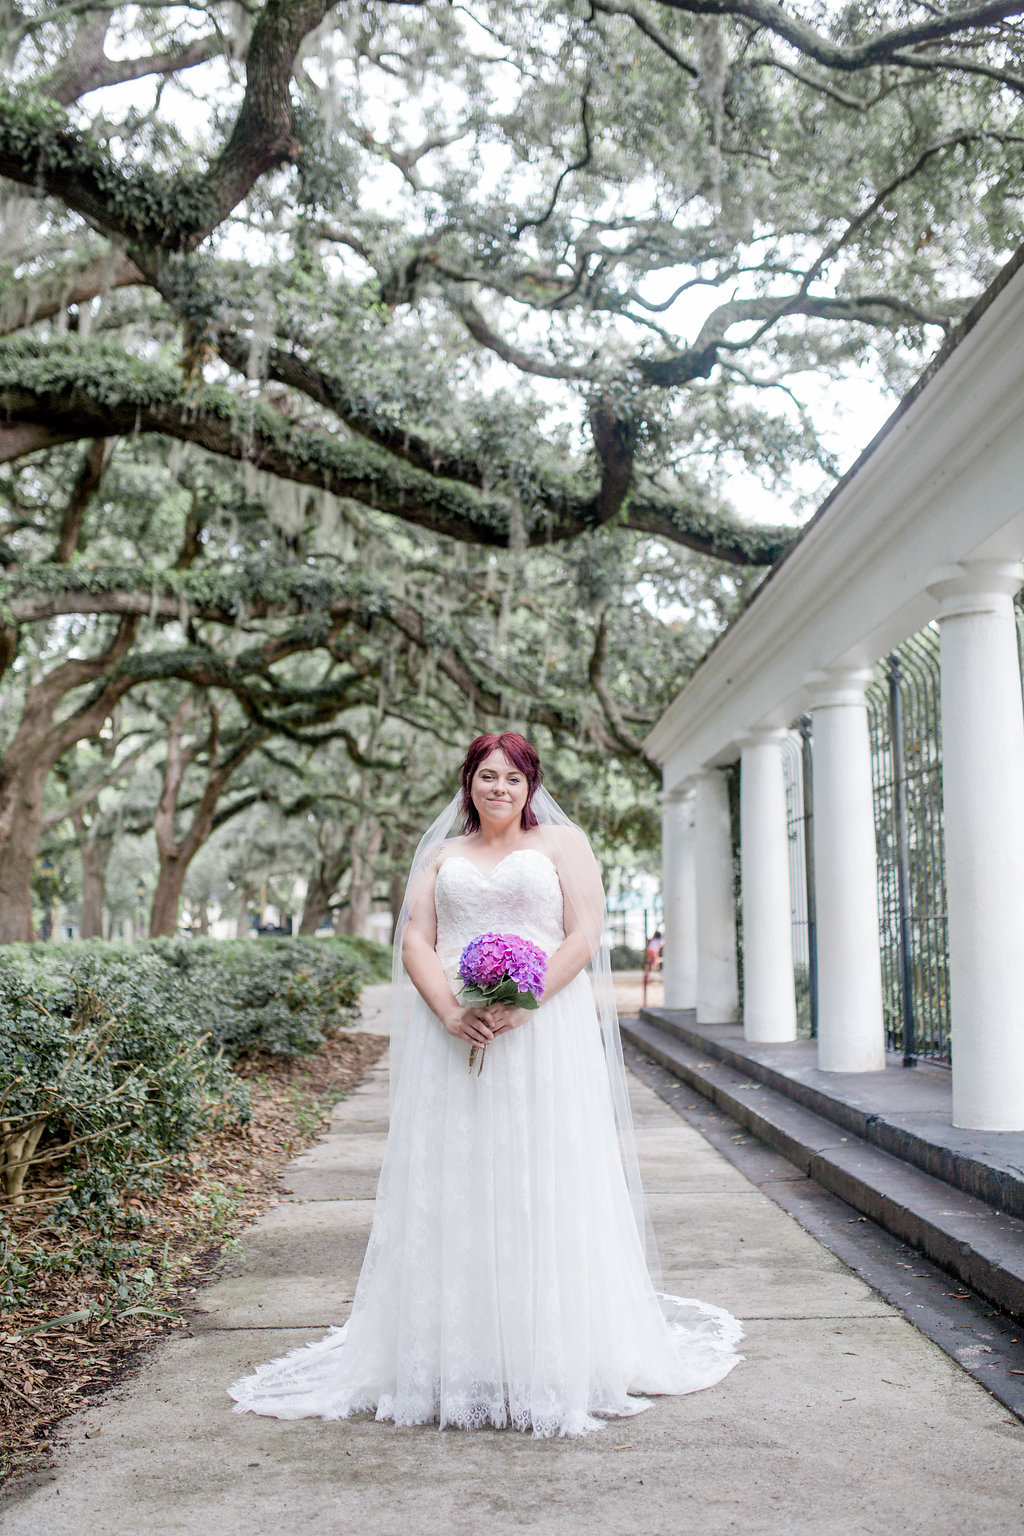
pixel 580 877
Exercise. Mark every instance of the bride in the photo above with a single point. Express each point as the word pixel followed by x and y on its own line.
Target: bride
pixel 506 1279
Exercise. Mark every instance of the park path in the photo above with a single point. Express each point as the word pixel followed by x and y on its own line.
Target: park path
pixel 842 1419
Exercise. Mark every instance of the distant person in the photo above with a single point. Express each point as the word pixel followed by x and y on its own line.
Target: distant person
pixel 652 954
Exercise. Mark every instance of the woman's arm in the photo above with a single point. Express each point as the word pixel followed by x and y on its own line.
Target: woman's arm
pixel 427 975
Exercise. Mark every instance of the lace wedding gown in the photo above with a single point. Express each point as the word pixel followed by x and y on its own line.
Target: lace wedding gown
pixel 505 1280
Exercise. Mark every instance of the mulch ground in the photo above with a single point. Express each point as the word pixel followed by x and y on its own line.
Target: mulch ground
pixel 52 1362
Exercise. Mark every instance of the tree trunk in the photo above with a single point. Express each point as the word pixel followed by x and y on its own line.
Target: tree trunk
pixel 163 917
pixel 360 891
pixel 396 892
pixel 23 805
pixel 38 742
pixel 318 898
pixel 245 896
pixel 95 851
pixel 176 854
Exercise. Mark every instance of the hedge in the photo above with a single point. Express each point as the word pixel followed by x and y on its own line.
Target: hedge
pixel 115 1057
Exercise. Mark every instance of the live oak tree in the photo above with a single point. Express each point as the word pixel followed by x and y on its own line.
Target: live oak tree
pixel 663 209
pixel 502 277
pixel 310 627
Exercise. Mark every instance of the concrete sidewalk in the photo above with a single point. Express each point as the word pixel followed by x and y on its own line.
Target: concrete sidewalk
pixel 843 1418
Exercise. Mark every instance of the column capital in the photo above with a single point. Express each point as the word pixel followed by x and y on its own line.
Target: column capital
pixel 834 686
pixel 675 794
pixel 975 586
pixel 764 736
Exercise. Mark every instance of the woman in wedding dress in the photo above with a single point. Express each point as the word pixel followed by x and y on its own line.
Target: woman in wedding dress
pixel 506 1279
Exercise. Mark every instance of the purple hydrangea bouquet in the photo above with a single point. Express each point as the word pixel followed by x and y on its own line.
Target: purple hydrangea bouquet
pixel 501 968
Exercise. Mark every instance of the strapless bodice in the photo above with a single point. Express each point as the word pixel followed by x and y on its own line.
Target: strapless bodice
pixel 520 895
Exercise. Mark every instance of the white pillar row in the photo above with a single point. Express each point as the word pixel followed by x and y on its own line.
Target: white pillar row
pixel 983 814
pixel 717 982
pixel 679 896
pixel 851 1036
pixel 769 1000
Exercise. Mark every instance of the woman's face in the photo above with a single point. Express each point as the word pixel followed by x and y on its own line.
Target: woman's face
pixel 499 791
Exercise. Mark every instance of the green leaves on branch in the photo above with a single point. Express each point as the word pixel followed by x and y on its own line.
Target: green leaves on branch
pixel 41 148
pixel 78 389
pixel 255 588
pixel 90 389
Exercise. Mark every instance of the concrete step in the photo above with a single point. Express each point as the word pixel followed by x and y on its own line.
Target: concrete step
pixel 982 1247
pixel 905 1112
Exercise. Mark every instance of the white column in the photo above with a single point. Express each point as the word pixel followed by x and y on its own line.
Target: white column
pixel 769 1000
pixel 851 1035
pixel 717 984
pixel 679 897
pixel 983 813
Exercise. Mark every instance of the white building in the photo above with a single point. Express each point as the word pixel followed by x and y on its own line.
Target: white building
pixel 929 524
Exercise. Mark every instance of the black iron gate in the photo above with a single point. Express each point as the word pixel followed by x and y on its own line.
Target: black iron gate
pixel 796 760
pixel 906 766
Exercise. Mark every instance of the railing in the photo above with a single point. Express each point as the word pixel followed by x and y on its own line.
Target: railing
pixel 904 722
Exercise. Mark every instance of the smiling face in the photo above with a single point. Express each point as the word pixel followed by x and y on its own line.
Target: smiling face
pixel 499 791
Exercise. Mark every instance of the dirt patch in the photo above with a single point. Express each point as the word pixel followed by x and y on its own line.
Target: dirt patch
pixel 77 1334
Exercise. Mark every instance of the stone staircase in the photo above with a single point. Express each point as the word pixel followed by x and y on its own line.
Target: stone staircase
pixel 881 1141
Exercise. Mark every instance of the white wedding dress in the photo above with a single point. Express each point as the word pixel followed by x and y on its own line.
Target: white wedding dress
pixel 505 1280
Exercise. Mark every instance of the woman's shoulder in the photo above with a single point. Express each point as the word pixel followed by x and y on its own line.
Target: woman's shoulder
pixel 563 840
pixel 454 847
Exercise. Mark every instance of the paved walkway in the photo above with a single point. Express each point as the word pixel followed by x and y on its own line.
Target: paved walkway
pixel 843 1419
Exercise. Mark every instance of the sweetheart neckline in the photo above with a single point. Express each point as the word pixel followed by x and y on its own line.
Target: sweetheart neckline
pixel 485 874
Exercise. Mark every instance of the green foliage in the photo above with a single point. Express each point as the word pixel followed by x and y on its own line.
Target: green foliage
pixel 100 374
pixel 274 995
pixel 225 592
pixel 114 1058
pixel 104 1087
pixel 90 1047
pixel 39 141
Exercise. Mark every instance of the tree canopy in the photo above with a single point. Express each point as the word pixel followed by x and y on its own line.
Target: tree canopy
pixel 361 231
pixel 372 371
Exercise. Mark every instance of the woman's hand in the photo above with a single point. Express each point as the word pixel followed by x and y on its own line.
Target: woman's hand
pixel 503 1017
pixel 470 1024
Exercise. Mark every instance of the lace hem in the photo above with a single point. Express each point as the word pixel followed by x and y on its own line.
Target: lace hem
pixel 309 1382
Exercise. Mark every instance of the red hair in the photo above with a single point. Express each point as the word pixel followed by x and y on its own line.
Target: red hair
pixel 520 754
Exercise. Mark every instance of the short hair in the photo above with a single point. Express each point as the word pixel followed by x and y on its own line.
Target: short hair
pixel 520 754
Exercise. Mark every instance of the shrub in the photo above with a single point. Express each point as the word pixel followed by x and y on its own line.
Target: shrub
pixel 115 1057
pixel 100 1097
pixel 625 958
pixel 272 994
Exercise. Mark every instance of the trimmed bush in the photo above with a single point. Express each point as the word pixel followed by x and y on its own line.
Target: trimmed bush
pixel 115 1057
pixel 271 994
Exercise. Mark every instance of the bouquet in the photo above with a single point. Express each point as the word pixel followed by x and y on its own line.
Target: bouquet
pixel 501 968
